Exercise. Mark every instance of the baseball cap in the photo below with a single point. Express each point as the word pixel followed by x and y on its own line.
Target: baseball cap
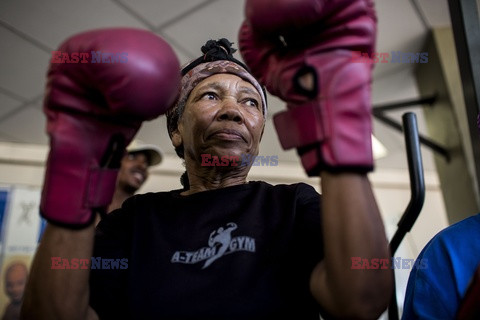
pixel 153 152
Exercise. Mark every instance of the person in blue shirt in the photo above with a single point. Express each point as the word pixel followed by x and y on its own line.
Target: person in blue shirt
pixel 451 257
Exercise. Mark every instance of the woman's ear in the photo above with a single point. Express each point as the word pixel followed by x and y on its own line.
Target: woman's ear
pixel 177 140
pixel 263 130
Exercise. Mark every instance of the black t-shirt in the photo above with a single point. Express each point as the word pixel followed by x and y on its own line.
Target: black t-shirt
pixel 241 252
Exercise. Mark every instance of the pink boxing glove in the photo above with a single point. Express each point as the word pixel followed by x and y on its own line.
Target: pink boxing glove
pixel 329 119
pixel 94 108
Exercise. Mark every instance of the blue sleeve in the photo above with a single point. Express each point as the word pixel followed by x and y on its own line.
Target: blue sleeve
pixel 431 291
pixel 423 299
pixel 435 292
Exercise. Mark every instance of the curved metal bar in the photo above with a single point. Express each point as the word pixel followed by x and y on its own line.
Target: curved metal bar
pixel 417 190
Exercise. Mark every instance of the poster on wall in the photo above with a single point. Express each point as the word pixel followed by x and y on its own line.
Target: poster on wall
pixel 22 221
pixel 4 191
pixel 21 227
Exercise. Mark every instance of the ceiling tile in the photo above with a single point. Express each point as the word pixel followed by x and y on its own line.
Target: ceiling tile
pixel 182 56
pixel 37 102
pixel 23 66
pixel 28 125
pixel 7 104
pixel 399 26
pixel 52 21
pixel 220 19
pixel 161 12
pixel 399 29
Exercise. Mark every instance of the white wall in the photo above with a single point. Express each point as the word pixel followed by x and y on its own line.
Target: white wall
pixel 24 165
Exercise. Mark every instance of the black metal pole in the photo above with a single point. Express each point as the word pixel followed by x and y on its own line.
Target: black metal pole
pixel 417 194
pixel 417 182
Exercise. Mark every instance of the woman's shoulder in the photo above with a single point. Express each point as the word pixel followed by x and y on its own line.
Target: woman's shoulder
pixel 152 196
pixel 464 231
pixel 126 212
pixel 285 186
pixel 302 192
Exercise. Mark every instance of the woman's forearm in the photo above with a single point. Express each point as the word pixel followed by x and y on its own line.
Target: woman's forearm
pixel 53 291
pixel 352 227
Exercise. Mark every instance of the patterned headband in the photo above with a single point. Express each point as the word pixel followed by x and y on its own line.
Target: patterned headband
pixel 193 76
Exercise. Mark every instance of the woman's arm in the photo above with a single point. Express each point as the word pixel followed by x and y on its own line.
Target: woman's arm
pixel 352 227
pixel 60 293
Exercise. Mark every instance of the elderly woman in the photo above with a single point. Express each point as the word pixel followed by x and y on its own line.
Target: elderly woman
pixel 222 247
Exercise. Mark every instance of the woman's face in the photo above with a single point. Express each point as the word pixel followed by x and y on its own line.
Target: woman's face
pixel 222 117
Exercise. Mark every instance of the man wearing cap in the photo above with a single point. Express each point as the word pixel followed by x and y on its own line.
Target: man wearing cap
pixel 134 171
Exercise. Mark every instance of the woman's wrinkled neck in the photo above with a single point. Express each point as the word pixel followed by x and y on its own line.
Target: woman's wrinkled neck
pixel 203 178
